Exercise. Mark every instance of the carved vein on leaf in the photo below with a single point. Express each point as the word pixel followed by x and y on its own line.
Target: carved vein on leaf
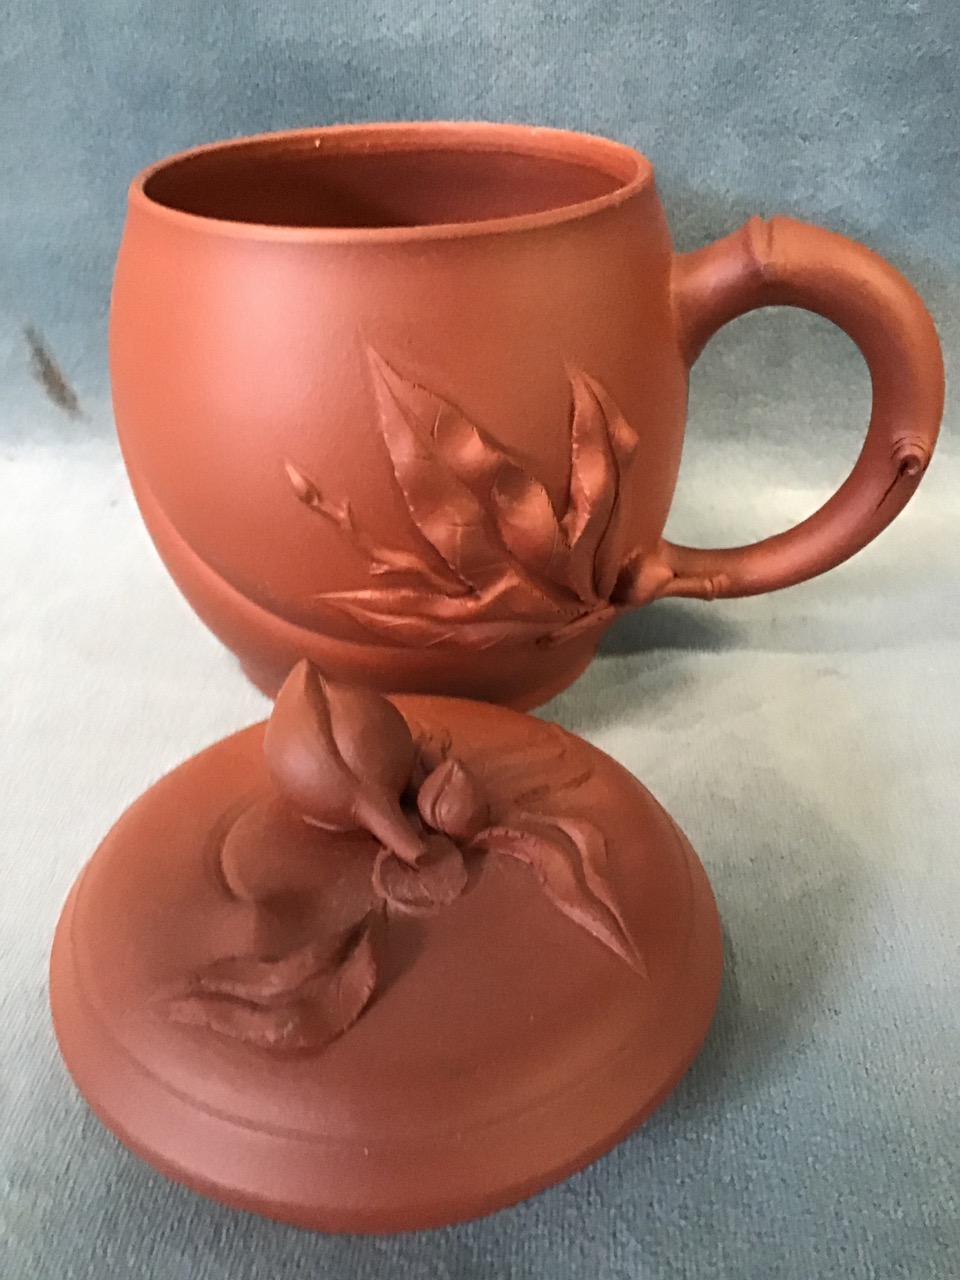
pixel 294 1004
pixel 495 557
pixel 569 859
pixel 593 487
pixel 382 561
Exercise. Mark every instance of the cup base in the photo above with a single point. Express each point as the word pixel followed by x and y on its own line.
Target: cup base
pixel 269 679
pixel 515 673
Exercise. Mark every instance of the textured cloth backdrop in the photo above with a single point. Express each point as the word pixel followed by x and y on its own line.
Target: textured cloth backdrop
pixel 808 741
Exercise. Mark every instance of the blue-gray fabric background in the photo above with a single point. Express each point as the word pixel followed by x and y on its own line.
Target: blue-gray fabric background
pixel 807 741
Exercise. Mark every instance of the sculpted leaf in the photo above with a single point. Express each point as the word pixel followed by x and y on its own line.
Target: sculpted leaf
pixel 528 525
pixel 383 561
pixel 569 859
pixel 625 441
pixel 545 790
pixel 552 756
pixel 422 618
pixel 266 982
pixel 593 486
pixel 511 506
pixel 389 616
pixel 437 880
pixel 268 851
pixel 296 1004
pixel 271 853
pixel 446 511
pixel 495 559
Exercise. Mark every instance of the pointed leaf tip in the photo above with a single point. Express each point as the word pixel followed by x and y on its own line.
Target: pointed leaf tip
pixel 559 857
pixel 593 486
pixel 302 485
pixel 471 501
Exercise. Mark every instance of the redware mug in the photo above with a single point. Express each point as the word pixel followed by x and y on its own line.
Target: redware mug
pixel 409 399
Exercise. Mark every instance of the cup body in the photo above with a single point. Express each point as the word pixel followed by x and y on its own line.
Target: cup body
pixel 357 373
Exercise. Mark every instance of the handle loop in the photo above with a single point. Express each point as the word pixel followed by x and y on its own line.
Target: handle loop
pixel 782 262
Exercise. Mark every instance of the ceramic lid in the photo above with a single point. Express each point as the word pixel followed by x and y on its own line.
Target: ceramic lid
pixel 382 964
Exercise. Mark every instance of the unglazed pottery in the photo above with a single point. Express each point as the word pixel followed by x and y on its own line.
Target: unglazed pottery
pixel 381 965
pixel 409 399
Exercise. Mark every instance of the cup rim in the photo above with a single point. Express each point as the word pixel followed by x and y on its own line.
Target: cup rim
pixel 632 169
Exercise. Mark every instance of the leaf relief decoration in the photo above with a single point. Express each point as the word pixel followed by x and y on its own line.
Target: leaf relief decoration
pixel 495 558
pixel 293 1004
pixel 569 859
pixel 370 818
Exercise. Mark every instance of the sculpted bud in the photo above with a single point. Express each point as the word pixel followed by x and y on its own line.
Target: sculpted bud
pixel 451 800
pixel 342 756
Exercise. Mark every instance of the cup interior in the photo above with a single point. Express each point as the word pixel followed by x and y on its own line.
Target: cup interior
pixel 389 177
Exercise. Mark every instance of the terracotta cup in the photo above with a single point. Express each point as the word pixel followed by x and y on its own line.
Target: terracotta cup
pixel 409 399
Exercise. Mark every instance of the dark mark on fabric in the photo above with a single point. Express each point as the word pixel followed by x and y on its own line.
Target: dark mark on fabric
pixel 49 374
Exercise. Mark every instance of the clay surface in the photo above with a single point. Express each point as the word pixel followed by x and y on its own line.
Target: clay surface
pixel 384 965
pixel 409 399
